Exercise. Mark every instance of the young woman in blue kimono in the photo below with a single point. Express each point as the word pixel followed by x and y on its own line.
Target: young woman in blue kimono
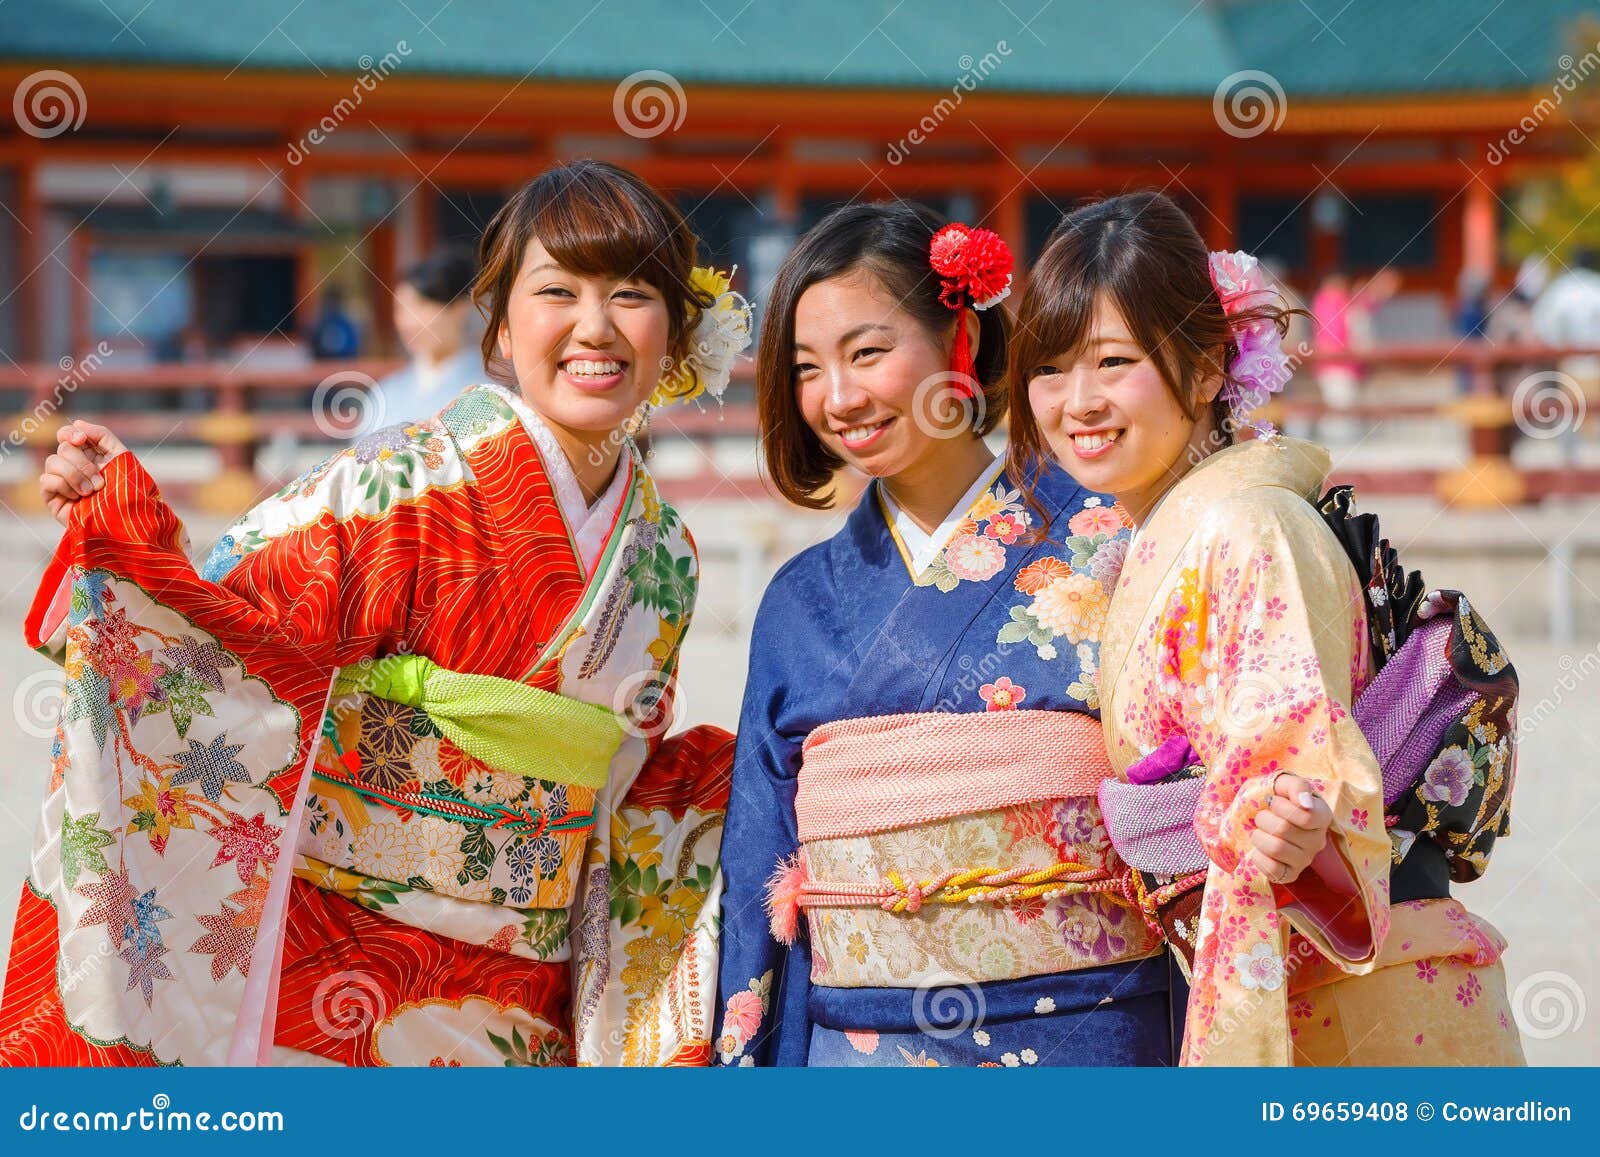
pixel 915 867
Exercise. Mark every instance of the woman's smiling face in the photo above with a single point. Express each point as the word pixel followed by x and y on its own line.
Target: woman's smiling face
pixel 587 351
pixel 864 369
pixel 1110 418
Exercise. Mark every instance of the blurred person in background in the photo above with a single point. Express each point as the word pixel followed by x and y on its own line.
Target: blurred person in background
pixel 1567 313
pixel 1343 311
pixel 1511 321
pixel 334 334
pixel 1471 320
pixel 437 325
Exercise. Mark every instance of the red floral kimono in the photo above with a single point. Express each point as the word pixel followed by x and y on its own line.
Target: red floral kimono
pixel 255 850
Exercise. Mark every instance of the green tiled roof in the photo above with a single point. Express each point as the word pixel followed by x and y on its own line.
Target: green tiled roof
pixel 1133 47
pixel 1378 46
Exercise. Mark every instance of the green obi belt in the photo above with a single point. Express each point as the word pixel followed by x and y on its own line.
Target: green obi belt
pixel 509 726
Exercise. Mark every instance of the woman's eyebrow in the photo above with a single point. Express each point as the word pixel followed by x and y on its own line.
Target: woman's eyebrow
pixel 867 327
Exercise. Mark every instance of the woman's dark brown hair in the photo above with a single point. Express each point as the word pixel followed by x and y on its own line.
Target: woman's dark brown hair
pixel 1142 253
pixel 597 220
pixel 889 241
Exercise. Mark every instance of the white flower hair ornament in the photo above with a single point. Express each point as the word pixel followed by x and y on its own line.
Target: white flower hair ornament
pixel 721 332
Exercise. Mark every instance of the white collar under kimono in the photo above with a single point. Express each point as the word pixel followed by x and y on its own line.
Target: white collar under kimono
pixel 589 524
pixel 921 546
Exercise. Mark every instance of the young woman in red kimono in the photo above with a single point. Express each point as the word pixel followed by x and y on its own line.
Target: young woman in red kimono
pixel 356 790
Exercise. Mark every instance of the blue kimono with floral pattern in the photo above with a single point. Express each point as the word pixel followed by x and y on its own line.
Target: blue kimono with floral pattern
pixel 995 622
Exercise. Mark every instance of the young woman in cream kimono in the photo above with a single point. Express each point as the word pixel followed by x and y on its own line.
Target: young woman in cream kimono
pixel 383 782
pixel 1239 629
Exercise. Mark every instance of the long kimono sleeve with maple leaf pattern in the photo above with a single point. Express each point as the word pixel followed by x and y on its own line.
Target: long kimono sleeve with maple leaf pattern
pixel 189 710
pixel 1264 640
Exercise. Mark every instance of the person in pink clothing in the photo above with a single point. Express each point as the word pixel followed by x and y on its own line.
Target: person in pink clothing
pixel 1343 314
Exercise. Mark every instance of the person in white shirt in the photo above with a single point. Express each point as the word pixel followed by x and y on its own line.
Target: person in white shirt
pixel 435 321
pixel 1567 313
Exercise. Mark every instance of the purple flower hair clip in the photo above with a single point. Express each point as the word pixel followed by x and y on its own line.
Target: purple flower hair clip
pixel 1261 368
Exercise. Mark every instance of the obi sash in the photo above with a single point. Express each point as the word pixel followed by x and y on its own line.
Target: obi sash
pixel 937 844
pixel 525 765
pixel 1422 703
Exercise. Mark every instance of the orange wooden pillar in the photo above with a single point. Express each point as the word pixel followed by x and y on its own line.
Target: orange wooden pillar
pixel 1488 479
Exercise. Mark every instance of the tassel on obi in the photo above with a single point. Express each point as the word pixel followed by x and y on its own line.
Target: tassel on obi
pixel 784 888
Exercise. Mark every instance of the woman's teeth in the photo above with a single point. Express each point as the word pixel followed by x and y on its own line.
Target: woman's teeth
pixel 1091 442
pixel 861 433
pixel 593 369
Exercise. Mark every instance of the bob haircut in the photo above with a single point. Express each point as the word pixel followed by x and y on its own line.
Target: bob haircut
pixel 597 220
pixel 891 242
pixel 1140 252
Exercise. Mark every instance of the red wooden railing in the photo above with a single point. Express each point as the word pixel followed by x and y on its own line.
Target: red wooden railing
pixel 245 408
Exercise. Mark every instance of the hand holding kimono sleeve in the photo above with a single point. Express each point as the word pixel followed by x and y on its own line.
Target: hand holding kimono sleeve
pixel 287 574
pixel 1264 635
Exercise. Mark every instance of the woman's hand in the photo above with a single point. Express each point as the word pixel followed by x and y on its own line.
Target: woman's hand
pixel 73 471
pixel 1291 831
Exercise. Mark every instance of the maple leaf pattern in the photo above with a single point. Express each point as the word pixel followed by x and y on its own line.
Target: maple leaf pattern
pixel 251 901
pixel 227 943
pixel 89 697
pixel 211 765
pixel 157 809
pixel 245 843
pixel 81 841
pixel 202 660
pixel 90 593
pixel 142 931
pixel 110 902
pixel 145 968
pixel 184 696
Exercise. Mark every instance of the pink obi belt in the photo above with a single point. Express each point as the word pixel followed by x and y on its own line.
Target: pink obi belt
pixel 913 813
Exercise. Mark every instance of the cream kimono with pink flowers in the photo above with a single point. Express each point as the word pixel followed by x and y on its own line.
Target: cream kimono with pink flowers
pixel 1238 622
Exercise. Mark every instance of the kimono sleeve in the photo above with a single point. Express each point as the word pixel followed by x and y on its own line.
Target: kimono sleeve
pixel 645 930
pixel 291 575
pixel 205 692
pixel 1264 638
pixel 763 985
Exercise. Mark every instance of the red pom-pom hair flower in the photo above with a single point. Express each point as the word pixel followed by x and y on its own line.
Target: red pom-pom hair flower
pixel 974 268
pixel 974 265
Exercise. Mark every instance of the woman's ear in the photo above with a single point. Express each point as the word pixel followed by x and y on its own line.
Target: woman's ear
pixel 503 340
pixel 1211 387
pixel 969 318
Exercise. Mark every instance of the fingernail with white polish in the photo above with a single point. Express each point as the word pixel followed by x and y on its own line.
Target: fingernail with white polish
pixel 1307 800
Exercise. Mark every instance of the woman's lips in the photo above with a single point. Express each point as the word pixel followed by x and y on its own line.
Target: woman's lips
pixel 1098 444
pixel 594 375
